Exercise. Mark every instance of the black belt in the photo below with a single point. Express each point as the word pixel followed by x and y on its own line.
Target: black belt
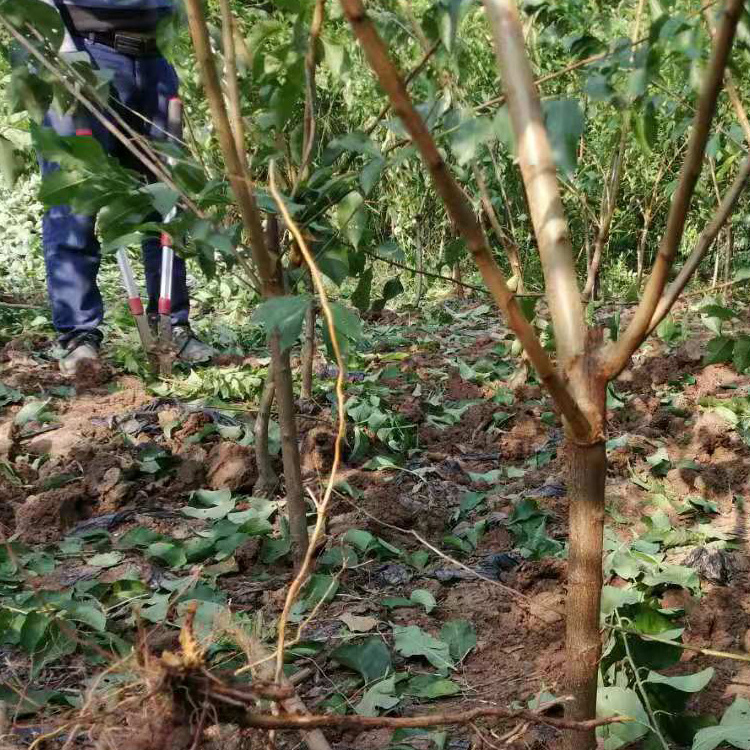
pixel 125 42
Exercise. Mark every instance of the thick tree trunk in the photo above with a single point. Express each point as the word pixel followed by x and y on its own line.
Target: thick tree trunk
pixel 308 353
pixel 587 471
pixel 267 479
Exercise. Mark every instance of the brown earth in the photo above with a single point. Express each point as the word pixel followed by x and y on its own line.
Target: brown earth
pixel 520 638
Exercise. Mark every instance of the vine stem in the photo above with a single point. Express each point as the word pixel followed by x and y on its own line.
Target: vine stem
pixel 322 505
pixel 639 682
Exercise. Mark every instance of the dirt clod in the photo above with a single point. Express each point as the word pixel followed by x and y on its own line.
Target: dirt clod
pixel 45 517
pixel 230 466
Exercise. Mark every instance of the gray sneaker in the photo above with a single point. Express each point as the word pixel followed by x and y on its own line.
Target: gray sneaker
pixel 84 347
pixel 189 347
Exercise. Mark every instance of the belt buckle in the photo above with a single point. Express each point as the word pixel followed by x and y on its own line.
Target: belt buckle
pixel 129 44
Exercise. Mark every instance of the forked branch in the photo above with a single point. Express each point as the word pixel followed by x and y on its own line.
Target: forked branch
pixel 461 213
pixel 620 352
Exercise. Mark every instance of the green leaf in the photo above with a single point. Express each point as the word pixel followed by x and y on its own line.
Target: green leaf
pixel 431 686
pixel 106 559
pixel 10 164
pixel 734 729
pixel 361 295
pixel 460 637
pixel 618 701
pixel 360 539
pixel 425 598
pixel 741 353
pixel 413 641
pixel 89 614
pixel 283 315
pixel 382 695
pixel 275 549
pixel 719 350
pixel 351 216
pixel 168 552
pixel 33 631
pixel 214 512
pixel 138 536
pixel 43 17
pixel 473 132
pixel 9 395
pixel 689 683
pixel 564 121
pixel 33 411
pixel 370 659
pixel 371 174
pixel 645 127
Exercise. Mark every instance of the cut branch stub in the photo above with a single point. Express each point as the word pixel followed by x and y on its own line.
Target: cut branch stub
pixel 463 217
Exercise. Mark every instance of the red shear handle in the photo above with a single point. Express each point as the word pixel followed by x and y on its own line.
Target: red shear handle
pixel 165 306
pixel 135 305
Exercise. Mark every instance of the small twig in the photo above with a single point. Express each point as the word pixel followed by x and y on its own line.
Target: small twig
pixel 684 646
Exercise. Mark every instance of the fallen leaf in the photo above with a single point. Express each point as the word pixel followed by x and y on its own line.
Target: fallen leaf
pixel 358 624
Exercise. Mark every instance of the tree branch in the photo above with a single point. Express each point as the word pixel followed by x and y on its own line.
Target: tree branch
pixel 540 177
pixel 702 246
pixel 239 177
pixel 311 66
pixel 230 71
pixel 460 212
pixel 619 353
pixel 312 721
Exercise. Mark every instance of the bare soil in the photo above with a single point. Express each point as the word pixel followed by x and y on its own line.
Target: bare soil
pixel 520 640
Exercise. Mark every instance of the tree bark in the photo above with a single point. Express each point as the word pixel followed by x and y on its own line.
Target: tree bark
pixel 267 479
pixel 587 472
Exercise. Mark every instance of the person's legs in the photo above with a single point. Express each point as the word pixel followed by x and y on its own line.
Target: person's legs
pixel 71 254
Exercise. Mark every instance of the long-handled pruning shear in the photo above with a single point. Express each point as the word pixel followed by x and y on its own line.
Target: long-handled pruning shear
pixel 166 355
pixel 162 347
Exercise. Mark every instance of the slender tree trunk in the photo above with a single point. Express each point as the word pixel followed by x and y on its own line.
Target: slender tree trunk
pixel 420 264
pixel 587 472
pixel 642 242
pixel 715 278
pixel 308 353
pixel 267 480
pixel 728 252
pixel 460 291
pixel 295 500
pixel 607 212
pixel 284 386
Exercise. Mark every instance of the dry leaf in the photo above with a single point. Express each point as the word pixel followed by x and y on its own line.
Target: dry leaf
pixel 358 624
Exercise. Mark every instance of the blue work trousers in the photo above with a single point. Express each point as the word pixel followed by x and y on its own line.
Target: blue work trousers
pixel 141 88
